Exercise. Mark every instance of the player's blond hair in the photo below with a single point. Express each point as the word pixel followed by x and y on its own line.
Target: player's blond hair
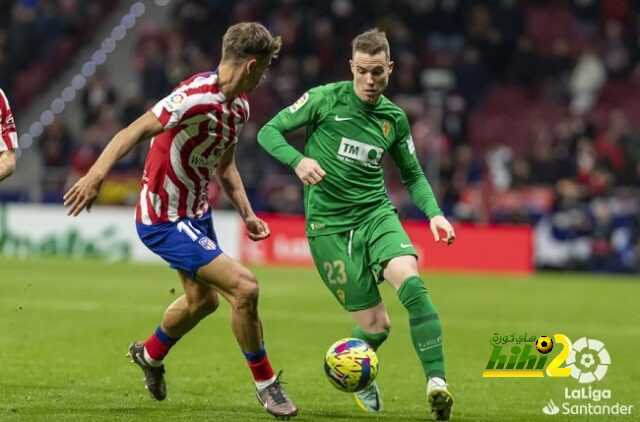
pixel 249 39
pixel 371 42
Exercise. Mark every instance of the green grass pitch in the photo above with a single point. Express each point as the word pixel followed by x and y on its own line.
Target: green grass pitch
pixel 65 326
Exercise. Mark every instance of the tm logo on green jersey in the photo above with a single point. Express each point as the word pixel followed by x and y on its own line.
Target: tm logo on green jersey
pixel 356 152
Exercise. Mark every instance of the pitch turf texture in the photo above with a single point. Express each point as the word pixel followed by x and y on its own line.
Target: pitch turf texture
pixel 65 326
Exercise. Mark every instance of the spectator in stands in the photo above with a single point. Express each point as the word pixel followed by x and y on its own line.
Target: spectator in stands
pixel 98 93
pixel 56 144
pixel 610 151
pixel 587 77
pixel 615 54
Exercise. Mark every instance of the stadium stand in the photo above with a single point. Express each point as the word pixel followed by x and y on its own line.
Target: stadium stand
pixel 522 111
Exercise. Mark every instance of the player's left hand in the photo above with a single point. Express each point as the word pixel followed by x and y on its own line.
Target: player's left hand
pixel 440 223
pixel 82 194
pixel 258 228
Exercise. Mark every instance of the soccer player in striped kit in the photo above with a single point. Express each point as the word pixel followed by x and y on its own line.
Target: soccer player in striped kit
pixel 194 131
pixel 8 138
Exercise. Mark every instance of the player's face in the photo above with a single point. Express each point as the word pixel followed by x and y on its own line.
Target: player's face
pixel 370 75
pixel 255 71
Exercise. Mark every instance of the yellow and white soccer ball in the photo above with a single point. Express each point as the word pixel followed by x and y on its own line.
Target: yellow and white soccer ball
pixel 351 364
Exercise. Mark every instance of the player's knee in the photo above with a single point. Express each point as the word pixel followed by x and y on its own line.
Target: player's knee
pixel 246 291
pixel 206 306
pixel 384 326
pixel 378 323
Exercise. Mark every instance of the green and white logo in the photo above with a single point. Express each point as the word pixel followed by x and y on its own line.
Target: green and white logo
pixel 360 153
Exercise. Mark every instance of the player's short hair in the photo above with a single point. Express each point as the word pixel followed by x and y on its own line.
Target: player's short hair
pixel 249 39
pixel 371 42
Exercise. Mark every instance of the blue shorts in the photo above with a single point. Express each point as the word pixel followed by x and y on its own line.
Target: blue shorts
pixel 186 244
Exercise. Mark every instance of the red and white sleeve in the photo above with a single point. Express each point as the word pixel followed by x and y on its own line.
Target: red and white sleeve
pixel 8 133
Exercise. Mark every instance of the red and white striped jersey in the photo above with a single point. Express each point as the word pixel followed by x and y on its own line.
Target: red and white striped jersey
pixel 8 135
pixel 200 125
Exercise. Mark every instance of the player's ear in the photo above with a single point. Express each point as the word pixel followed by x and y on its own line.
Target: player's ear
pixel 250 65
pixel 390 67
pixel 351 66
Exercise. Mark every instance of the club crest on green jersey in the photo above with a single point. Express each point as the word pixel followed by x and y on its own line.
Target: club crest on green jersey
pixel 386 128
pixel 299 102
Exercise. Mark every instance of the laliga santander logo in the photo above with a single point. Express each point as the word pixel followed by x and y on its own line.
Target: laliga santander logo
pixel 589 360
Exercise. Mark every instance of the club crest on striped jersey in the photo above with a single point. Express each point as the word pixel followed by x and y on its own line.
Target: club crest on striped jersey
pixel 386 128
pixel 9 121
pixel 207 243
pixel 299 103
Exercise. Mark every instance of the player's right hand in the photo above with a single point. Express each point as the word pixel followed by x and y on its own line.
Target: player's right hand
pixel 82 194
pixel 309 171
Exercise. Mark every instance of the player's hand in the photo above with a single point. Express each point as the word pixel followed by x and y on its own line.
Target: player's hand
pixel 82 194
pixel 440 223
pixel 309 171
pixel 258 228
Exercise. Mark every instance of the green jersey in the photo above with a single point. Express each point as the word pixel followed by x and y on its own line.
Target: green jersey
pixel 348 138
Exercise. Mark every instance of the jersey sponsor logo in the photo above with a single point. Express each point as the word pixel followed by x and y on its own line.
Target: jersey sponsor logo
pixel 299 102
pixel 207 243
pixel 199 161
pixel 342 119
pixel 359 153
pixel 386 128
pixel 174 100
pixel 410 145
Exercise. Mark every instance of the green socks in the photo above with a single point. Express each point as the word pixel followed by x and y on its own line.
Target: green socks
pixel 374 339
pixel 426 330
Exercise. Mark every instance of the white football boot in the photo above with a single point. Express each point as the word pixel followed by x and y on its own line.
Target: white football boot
pixel 439 398
pixel 369 399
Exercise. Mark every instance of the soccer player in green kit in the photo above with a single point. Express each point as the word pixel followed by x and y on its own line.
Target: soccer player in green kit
pixel 354 233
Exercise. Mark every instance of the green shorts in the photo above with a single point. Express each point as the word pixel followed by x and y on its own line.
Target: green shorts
pixel 351 263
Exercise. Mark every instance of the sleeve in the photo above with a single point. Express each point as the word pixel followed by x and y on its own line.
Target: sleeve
pixel 306 111
pixel 8 133
pixel 403 153
pixel 184 102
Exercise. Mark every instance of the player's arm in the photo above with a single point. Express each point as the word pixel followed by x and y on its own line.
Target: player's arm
pixel 231 183
pixel 303 112
pixel 7 163
pixel 403 154
pixel 8 139
pixel 84 192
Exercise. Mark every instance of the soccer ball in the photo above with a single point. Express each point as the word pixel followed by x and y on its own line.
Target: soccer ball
pixel 351 364
pixel 544 344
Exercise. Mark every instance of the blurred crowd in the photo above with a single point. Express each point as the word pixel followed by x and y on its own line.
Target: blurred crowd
pixel 38 38
pixel 521 111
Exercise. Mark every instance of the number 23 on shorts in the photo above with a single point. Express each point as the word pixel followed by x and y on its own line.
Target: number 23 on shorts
pixel 335 271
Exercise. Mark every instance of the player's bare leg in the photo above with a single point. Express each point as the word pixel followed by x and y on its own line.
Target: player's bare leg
pixel 426 332
pixel 240 288
pixel 373 327
pixel 198 301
